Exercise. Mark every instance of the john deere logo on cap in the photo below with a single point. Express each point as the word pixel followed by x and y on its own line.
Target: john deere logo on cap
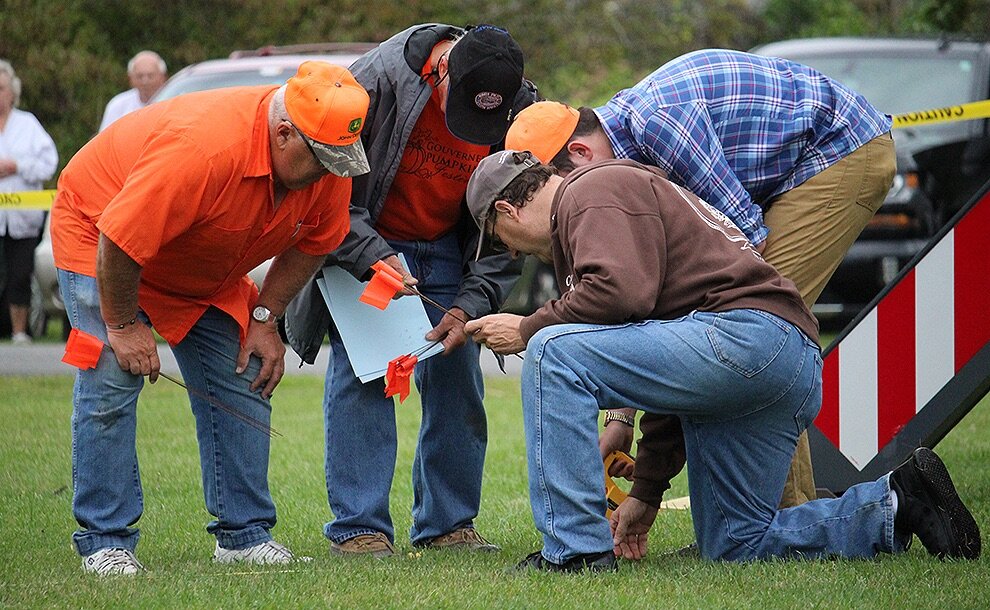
pixel 354 126
pixel 488 100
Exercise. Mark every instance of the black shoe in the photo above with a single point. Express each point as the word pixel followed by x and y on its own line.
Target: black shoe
pixel 591 562
pixel 928 507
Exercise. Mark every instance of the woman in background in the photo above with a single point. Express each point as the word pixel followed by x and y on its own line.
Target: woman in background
pixel 27 158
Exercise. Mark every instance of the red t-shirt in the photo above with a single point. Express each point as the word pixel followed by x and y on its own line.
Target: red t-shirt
pixel 424 202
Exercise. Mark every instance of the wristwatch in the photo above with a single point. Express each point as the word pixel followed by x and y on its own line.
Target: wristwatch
pixel 611 416
pixel 262 314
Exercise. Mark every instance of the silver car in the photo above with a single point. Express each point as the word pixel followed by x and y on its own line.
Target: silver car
pixel 265 66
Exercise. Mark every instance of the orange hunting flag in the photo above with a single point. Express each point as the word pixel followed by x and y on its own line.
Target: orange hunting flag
pixel 397 376
pixel 82 350
pixel 383 286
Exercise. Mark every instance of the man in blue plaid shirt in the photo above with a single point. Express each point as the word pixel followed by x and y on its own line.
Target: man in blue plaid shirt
pixel 799 162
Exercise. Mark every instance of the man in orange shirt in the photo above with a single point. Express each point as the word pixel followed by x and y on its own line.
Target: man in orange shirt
pixel 156 222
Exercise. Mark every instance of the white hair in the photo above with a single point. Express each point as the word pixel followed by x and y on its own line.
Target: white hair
pixel 161 62
pixel 276 110
pixel 15 83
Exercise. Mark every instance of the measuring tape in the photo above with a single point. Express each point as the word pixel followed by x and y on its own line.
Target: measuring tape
pixel 614 495
pixel 42 200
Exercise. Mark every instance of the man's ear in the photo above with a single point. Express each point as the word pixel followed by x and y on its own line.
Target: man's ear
pixel 580 153
pixel 439 74
pixel 504 207
pixel 283 132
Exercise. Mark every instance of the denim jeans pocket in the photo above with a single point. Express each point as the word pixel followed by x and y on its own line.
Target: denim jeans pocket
pixel 813 402
pixel 747 340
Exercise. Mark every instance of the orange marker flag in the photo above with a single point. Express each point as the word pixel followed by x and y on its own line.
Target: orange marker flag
pixel 397 376
pixel 82 350
pixel 383 286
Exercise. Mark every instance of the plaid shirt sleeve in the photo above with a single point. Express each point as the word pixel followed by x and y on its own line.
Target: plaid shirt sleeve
pixel 681 140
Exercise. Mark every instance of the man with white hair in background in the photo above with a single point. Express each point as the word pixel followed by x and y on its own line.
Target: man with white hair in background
pixel 146 72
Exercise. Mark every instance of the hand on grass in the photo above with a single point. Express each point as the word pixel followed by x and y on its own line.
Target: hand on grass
pixel 630 524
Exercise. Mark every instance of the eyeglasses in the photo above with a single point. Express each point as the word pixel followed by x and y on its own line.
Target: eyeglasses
pixel 435 73
pixel 306 142
pixel 494 243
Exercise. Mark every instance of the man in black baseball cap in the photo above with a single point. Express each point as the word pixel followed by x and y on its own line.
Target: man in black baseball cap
pixel 441 103
pixel 485 68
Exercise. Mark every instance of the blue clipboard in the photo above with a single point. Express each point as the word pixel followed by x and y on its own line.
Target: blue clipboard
pixel 372 337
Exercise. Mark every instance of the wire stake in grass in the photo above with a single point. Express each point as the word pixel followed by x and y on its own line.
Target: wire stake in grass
pixel 244 417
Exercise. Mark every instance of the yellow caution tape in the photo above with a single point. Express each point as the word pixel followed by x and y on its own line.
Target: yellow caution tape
pixel 28 200
pixel 964 112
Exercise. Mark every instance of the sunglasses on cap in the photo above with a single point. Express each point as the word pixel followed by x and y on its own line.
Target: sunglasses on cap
pixel 306 142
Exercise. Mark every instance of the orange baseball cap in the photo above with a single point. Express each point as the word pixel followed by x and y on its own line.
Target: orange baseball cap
pixel 328 107
pixel 543 129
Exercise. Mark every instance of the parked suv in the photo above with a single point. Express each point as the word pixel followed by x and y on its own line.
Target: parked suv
pixel 939 166
pixel 265 66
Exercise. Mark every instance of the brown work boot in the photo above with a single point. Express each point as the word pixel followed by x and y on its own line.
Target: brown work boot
pixel 465 538
pixel 376 545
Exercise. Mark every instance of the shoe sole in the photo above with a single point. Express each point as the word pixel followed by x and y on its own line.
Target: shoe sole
pixel 937 481
pixel 376 554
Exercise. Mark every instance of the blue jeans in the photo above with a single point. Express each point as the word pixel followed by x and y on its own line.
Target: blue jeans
pixel 360 425
pixel 744 383
pixel 107 498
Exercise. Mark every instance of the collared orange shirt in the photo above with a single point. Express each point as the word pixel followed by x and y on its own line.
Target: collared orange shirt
pixel 185 188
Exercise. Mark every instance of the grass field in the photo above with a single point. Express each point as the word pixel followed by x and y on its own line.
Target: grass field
pixel 40 569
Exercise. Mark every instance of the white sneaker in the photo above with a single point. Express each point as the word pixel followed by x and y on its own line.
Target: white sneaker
pixel 112 562
pixel 20 339
pixel 265 553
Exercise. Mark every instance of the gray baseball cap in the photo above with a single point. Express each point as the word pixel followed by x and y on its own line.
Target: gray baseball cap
pixel 494 173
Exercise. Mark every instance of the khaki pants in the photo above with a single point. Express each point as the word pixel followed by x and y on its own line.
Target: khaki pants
pixel 811 228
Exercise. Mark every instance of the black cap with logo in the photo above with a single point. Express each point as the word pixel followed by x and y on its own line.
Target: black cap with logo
pixel 486 71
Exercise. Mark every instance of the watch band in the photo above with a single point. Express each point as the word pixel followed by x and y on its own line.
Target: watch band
pixel 122 326
pixel 628 420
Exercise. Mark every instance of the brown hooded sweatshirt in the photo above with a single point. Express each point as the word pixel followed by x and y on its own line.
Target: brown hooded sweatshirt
pixel 628 245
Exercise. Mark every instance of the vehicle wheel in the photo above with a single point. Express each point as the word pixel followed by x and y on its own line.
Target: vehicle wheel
pixel 544 286
pixel 37 318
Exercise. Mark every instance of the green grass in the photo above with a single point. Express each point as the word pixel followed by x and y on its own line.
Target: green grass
pixel 40 569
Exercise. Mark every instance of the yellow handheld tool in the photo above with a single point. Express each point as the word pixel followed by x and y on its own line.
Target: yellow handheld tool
pixel 614 495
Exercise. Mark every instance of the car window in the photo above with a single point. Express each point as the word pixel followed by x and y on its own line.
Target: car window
pixel 244 72
pixel 200 82
pixel 893 85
